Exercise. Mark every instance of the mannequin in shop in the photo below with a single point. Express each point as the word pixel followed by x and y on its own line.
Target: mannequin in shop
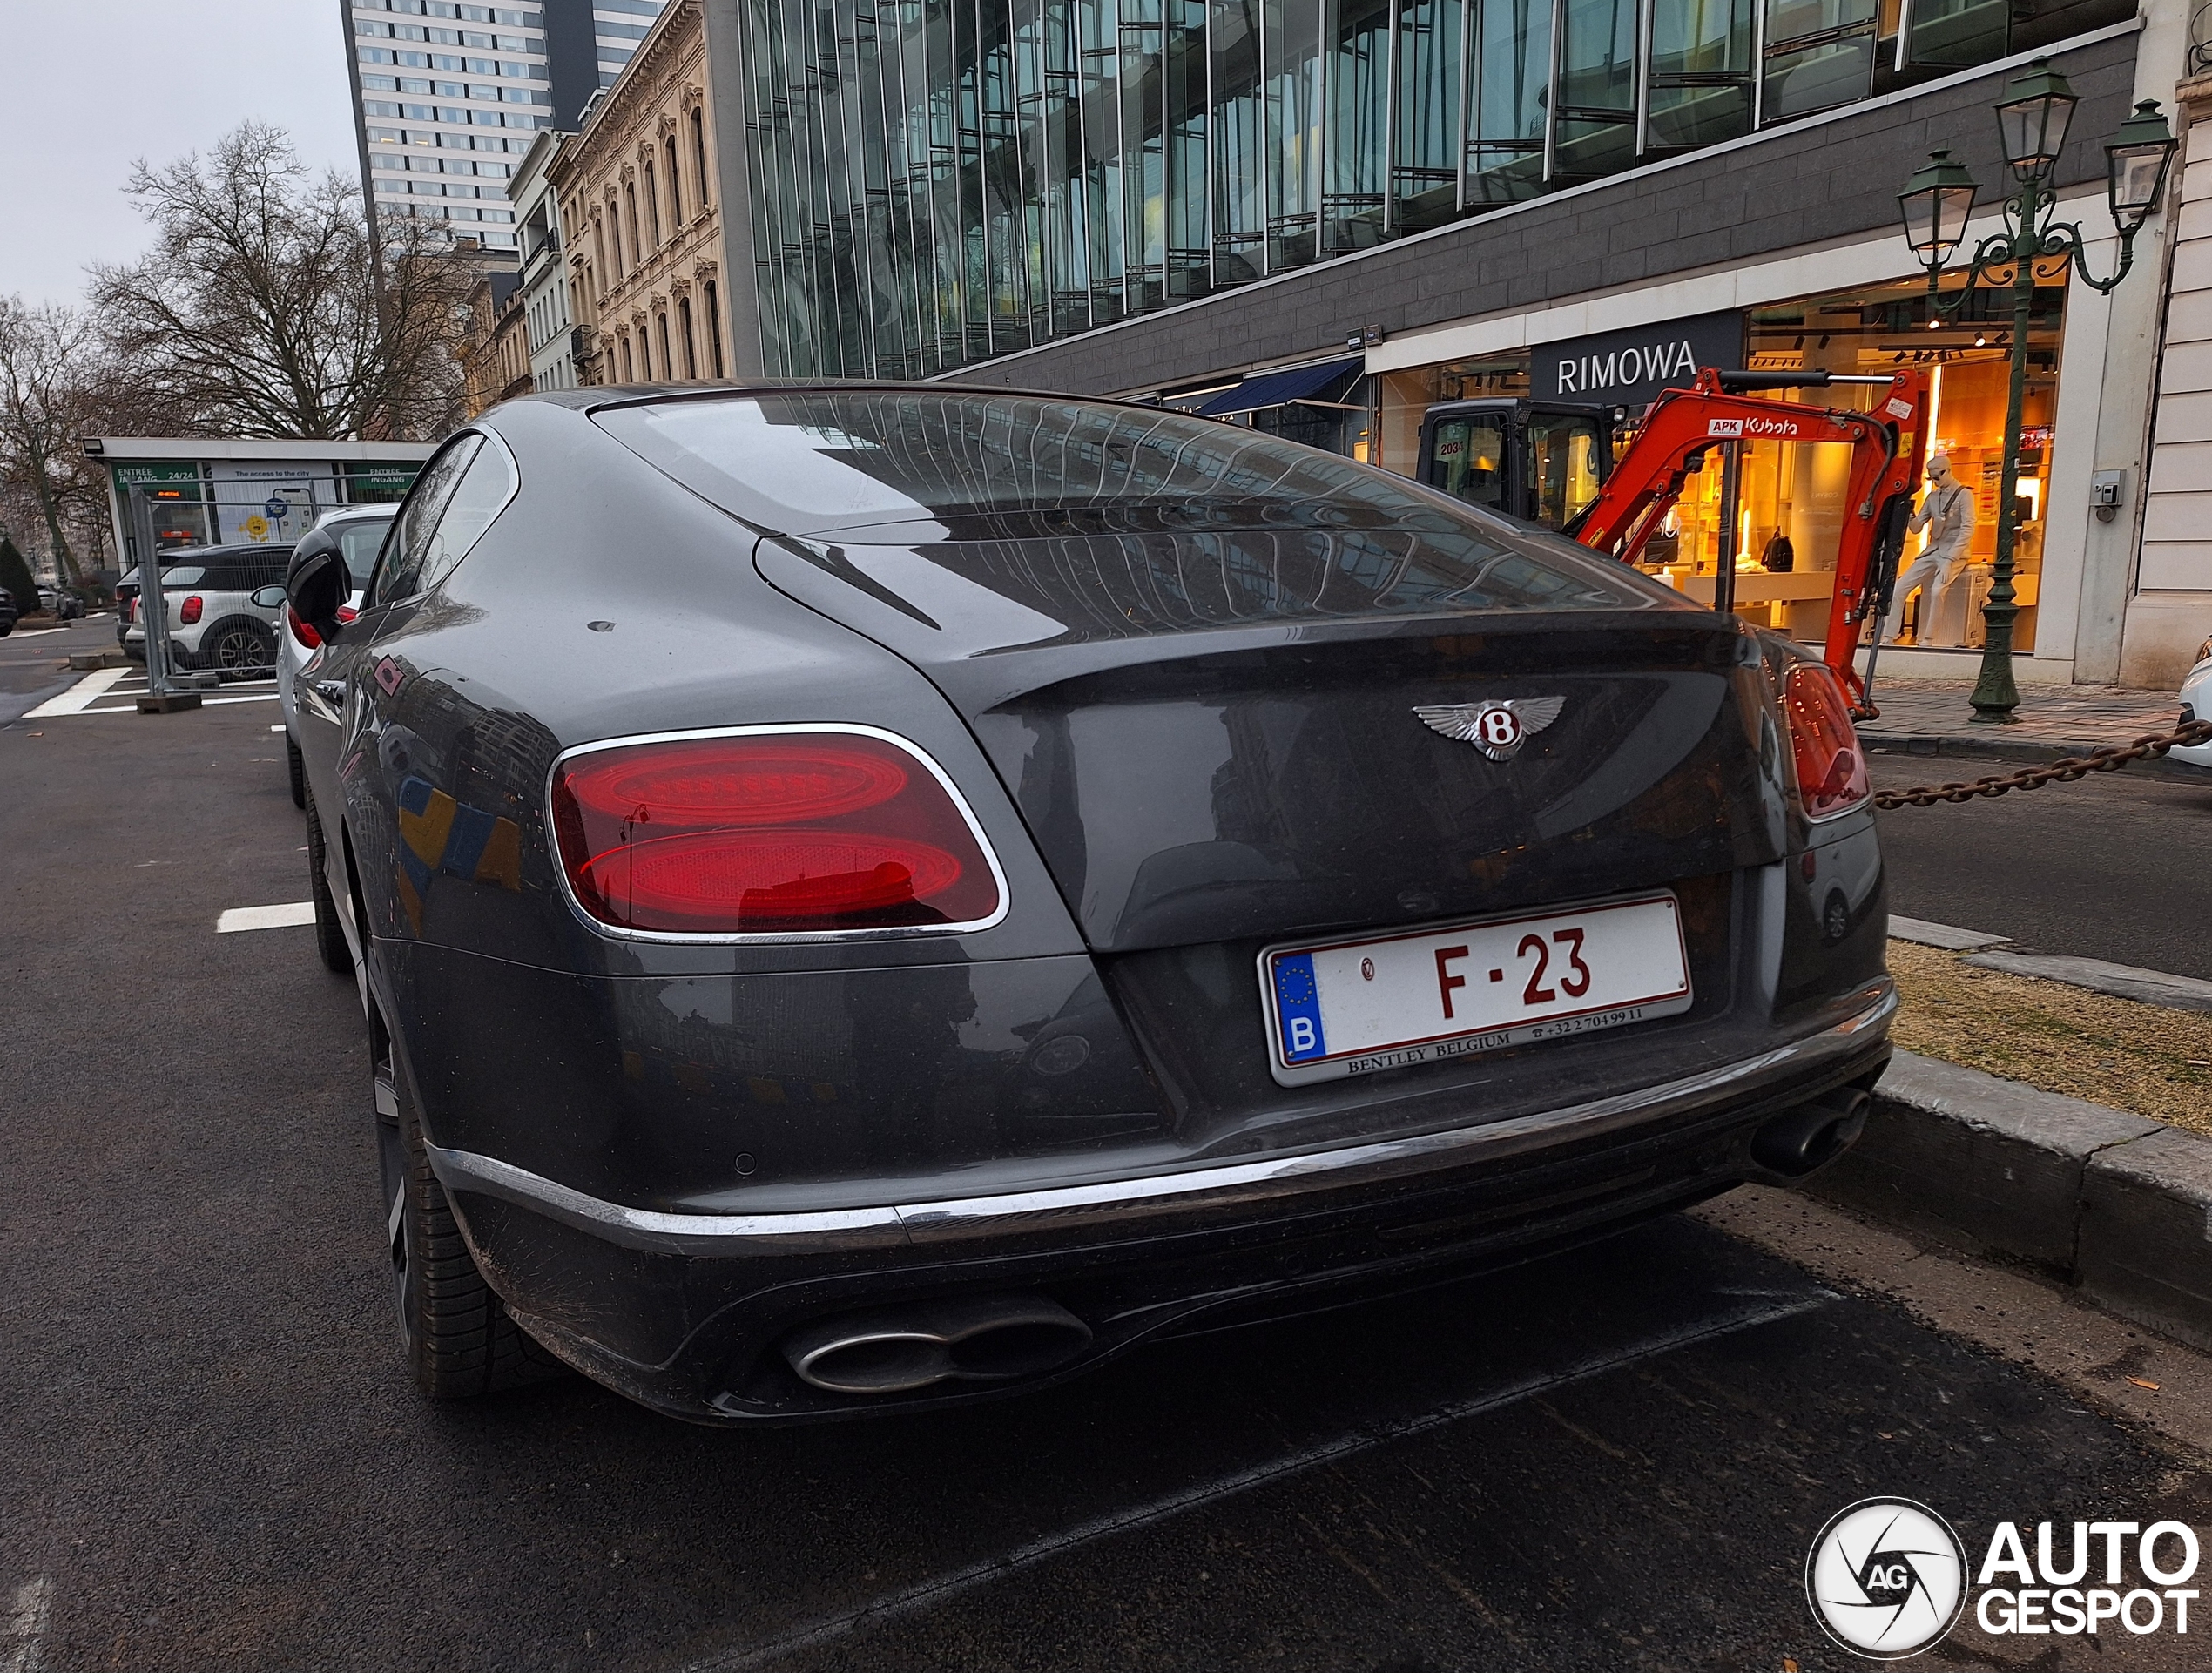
pixel 1947 512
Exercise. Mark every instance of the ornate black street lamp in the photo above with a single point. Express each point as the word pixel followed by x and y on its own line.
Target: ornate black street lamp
pixel 1936 203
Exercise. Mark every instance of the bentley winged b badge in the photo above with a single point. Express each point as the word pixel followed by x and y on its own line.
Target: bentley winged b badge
pixel 1499 727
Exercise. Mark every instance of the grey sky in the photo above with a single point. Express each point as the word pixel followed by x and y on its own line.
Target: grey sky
pixel 86 86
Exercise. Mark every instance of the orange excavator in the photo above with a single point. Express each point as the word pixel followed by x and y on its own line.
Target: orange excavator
pixel 1521 456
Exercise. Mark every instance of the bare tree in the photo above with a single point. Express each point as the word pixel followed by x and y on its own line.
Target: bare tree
pixel 47 355
pixel 265 307
pixel 59 383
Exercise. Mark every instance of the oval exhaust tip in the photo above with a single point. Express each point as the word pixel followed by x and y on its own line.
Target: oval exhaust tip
pixel 900 1349
pixel 1807 1139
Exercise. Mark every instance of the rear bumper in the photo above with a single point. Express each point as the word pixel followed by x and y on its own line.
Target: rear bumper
pixel 683 1311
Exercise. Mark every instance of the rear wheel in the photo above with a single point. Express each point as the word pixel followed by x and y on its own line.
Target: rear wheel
pixel 460 1339
pixel 297 767
pixel 240 651
pixel 330 935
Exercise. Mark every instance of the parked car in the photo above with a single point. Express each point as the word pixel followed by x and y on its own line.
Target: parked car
pixel 127 593
pixel 354 532
pixel 874 896
pixel 64 606
pixel 2196 705
pixel 224 604
pixel 9 614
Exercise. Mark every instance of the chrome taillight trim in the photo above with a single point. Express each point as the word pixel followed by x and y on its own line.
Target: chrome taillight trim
pixel 740 938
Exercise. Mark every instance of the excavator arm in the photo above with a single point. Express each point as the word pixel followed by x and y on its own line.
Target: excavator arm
pixel 1685 425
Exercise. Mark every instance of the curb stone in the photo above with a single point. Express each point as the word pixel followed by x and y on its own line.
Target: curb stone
pixel 2146 1248
pixel 1971 1160
pixel 2151 987
pixel 2116 1204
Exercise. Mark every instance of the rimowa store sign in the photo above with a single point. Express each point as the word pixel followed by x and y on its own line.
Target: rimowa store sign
pixel 1628 368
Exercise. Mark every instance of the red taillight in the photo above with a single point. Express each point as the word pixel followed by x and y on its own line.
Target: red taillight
pixel 767 834
pixel 1831 768
pixel 346 613
pixel 309 639
pixel 188 612
pixel 130 607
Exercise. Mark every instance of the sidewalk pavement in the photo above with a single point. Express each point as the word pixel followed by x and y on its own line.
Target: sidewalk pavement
pixel 1933 717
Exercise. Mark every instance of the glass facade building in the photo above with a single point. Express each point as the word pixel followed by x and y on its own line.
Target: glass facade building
pixel 939 181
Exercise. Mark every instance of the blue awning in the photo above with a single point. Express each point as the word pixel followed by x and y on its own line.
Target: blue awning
pixel 1274 388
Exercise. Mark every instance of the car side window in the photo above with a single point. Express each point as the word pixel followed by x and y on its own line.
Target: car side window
pixel 485 487
pixel 399 576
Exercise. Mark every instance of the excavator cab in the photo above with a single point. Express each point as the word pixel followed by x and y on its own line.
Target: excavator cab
pixel 1543 461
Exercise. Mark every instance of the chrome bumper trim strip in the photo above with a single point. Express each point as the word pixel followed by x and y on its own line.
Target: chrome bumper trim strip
pixel 1117 1203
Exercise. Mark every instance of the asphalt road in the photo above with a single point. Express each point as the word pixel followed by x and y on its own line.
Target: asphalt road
pixel 209 1456
pixel 30 656
pixel 2114 866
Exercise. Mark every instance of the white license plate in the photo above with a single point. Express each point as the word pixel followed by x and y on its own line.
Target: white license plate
pixel 1353 1006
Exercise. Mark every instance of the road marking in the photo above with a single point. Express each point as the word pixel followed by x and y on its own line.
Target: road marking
pixel 929 1593
pixel 33 632
pixel 277 728
pixel 204 703
pixel 80 696
pixel 23 1638
pixel 283 917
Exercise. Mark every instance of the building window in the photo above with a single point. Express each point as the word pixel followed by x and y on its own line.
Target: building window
pixel 691 352
pixel 698 158
pixel 628 374
pixel 714 326
pixel 667 360
pixel 630 207
pixel 1085 162
pixel 674 184
pixel 652 207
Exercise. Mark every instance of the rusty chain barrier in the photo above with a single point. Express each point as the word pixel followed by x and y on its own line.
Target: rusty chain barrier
pixel 2065 770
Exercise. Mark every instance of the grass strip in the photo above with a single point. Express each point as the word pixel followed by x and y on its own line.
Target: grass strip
pixel 2120 1053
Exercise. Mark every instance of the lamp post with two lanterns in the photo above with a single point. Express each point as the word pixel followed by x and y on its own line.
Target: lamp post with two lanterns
pixel 1936 203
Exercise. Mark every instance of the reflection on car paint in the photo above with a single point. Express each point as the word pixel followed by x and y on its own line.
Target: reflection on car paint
pixel 439 835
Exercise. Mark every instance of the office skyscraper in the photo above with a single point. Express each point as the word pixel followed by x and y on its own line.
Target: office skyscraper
pixel 447 96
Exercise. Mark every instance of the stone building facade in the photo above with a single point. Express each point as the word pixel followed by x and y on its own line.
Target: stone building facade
pixel 2171 612
pixel 495 360
pixel 641 210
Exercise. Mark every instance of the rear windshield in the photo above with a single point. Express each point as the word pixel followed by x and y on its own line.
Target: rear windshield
pixel 1147 513
pixel 359 539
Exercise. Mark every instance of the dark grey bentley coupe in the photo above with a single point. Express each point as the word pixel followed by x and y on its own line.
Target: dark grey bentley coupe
pixel 873 895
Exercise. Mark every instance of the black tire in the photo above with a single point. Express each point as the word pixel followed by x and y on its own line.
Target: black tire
pixel 330 935
pixel 240 650
pixel 460 1339
pixel 298 769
